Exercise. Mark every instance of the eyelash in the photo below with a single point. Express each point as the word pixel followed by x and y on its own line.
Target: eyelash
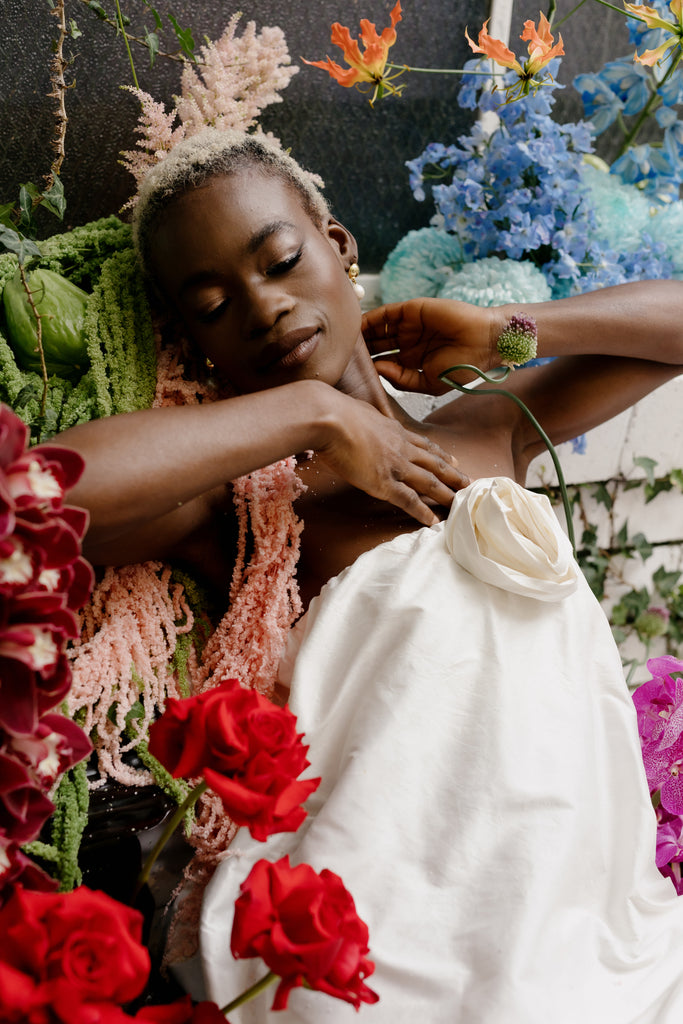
pixel 278 268
pixel 284 265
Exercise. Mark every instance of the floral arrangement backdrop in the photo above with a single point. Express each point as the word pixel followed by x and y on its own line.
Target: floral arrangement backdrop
pixel 359 154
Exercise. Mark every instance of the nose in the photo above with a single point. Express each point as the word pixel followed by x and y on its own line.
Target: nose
pixel 265 302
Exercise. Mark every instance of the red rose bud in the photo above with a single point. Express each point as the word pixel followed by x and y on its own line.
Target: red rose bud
pixel 305 927
pixel 247 749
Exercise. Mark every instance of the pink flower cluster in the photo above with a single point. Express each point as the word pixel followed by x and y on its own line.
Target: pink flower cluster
pixel 43 582
pixel 659 706
pixel 239 76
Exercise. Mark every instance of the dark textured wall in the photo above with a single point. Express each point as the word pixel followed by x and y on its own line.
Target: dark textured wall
pixel 360 152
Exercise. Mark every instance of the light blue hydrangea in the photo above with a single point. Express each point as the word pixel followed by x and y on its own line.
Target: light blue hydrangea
pixel 492 281
pixel 420 264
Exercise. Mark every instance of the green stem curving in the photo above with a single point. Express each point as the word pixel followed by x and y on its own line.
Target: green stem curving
pixel 249 993
pixel 171 825
pixel 530 416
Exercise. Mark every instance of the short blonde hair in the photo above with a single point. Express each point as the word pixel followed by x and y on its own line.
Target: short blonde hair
pixel 209 154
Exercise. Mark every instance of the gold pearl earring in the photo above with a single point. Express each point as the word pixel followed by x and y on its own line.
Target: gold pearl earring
pixel 209 364
pixel 353 272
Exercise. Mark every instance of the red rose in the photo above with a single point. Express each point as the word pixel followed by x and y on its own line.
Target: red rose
pixel 305 927
pixel 247 749
pixel 183 1011
pixel 73 953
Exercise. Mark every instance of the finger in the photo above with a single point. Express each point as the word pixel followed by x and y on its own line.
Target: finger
pixel 405 498
pixel 443 469
pixel 431 488
pixel 402 377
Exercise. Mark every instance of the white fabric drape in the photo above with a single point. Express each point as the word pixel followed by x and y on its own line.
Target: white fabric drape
pixel 482 796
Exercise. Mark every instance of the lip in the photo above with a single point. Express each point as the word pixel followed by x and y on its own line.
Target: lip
pixel 292 349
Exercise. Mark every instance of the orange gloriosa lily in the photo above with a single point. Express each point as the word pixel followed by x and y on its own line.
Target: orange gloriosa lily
pixel 653 19
pixel 364 67
pixel 542 48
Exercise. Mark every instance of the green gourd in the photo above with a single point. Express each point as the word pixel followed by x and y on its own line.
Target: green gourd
pixel 62 307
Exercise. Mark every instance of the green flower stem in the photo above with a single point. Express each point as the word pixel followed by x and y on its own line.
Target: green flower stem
pixel 119 18
pixel 442 71
pixel 249 993
pixel 171 825
pixel 649 106
pixel 556 24
pixel 530 416
pixel 620 10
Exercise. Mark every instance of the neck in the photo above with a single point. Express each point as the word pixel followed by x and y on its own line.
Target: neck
pixel 360 380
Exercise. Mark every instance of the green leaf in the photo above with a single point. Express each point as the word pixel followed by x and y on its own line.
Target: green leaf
pixel 74 30
pixel 6 210
pixel 152 41
pixel 648 465
pixel 24 248
pixel 665 581
pixel 676 477
pixel 157 17
pixel 622 537
pixel 642 545
pixel 54 199
pixel 630 485
pixel 26 222
pixel 184 37
pixel 652 490
pixel 97 9
pixel 603 497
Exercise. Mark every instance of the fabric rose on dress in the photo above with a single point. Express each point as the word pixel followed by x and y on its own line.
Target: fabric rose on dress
pixel 246 748
pixel 305 927
pixel 68 957
pixel 510 538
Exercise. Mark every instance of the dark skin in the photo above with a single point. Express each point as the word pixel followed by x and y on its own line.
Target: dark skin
pixel 263 291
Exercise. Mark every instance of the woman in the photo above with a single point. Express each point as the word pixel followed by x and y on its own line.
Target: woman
pixel 482 797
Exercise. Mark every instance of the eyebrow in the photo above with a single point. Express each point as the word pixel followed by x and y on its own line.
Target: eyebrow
pixel 254 244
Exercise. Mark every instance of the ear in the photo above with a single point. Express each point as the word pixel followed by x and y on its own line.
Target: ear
pixel 341 239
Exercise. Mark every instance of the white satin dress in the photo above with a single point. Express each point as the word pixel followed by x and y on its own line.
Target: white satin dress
pixel 482 797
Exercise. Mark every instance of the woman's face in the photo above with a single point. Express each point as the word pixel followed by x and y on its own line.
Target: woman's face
pixel 261 289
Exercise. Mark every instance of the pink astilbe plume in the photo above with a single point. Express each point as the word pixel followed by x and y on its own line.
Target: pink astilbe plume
pixel 235 79
pixel 157 137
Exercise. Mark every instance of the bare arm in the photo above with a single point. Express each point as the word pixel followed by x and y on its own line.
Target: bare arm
pixel 613 346
pixel 149 474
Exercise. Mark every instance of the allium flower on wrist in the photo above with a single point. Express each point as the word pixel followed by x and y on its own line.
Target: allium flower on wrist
pixel 517 340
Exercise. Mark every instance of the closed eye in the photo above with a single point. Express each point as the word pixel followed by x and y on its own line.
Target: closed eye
pixel 213 314
pixel 284 265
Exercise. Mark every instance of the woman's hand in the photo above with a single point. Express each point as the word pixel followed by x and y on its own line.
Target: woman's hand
pixel 430 336
pixel 378 455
